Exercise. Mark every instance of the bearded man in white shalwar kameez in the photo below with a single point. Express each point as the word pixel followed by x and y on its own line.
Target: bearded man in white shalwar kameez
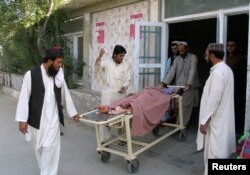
pixel 39 109
pixel 216 121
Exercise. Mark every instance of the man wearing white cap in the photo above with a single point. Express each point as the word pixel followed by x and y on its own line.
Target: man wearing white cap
pixel 184 73
pixel 216 121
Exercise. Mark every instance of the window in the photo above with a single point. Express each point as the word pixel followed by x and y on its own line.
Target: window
pixel 150 50
pixel 175 8
pixel 75 44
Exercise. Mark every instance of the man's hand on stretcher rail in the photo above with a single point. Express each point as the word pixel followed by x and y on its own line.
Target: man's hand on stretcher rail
pixel 179 89
pixel 162 85
pixel 122 90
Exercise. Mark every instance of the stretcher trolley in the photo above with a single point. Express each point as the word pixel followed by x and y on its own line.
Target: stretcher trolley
pixel 123 145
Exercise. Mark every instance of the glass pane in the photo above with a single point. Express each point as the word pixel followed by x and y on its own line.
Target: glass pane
pixel 73 26
pixel 80 48
pixel 149 77
pixel 70 44
pixel 79 63
pixel 150 45
pixel 186 7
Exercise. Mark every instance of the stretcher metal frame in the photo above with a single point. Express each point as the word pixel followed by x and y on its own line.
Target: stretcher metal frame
pixel 123 145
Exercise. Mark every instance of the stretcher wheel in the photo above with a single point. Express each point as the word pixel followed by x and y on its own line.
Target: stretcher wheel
pixel 133 166
pixel 156 131
pixel 182 135
pixel 105 156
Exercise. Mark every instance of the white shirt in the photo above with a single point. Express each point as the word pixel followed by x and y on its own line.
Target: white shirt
pixel 115 76
pixel 217 103
pixel 49 124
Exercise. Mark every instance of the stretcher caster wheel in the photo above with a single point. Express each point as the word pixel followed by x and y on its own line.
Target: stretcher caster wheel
pixel 105 156
pixel 156 131
pixel 182 135
pixel 133 166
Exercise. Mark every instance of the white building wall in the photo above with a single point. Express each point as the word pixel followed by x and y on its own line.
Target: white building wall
pixel 116 28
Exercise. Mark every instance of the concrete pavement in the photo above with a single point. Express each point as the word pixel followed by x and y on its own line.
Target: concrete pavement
pixel 79 155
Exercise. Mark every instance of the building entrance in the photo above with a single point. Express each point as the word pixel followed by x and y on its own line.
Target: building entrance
pixel 201 32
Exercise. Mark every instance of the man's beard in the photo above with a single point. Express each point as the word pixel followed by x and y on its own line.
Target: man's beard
pixel 210 64
pixel 52 71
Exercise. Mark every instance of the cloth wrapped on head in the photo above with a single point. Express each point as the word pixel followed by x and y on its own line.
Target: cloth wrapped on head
pixel 53 53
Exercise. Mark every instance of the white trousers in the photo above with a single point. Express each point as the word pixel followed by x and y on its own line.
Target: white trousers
pixel 48 155
pixel 208 154
pixel 48 160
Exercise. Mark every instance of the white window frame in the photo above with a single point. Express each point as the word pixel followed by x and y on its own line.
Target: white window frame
pixel 75 37
pixel 137 65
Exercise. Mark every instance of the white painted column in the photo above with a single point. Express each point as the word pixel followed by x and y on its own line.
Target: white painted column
pixel 222 29
pixel 247 114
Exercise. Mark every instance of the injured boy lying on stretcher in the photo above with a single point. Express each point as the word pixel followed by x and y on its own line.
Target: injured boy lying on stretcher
pixel 149 107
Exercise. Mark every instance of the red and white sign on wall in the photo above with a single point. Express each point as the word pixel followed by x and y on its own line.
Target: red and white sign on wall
pixel 100 29
pixel 133 19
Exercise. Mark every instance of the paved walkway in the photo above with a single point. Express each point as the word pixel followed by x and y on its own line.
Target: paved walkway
pixel 79 155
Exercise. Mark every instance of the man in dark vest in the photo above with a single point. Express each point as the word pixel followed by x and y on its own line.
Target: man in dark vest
pixel 39 110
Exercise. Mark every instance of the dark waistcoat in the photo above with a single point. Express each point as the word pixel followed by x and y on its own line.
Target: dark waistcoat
pixel 37 99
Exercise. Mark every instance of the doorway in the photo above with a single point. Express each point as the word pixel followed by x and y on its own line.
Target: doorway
pixel 237 30
pixel 201 32
pixel 198 34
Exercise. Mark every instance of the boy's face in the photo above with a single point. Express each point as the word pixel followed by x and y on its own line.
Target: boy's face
pixel 118 58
